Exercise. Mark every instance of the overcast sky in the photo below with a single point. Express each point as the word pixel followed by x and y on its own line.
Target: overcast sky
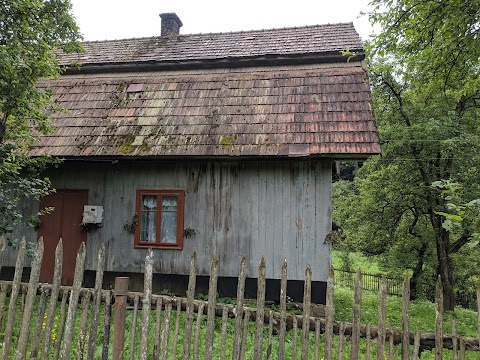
pixel 120 19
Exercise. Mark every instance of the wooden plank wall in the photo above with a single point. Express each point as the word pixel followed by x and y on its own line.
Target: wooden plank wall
pixel 250 208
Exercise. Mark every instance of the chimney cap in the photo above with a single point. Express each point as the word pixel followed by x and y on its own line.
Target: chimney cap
pixel 171 16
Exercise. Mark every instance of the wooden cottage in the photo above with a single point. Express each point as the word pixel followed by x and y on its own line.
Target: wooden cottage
pixel 220 143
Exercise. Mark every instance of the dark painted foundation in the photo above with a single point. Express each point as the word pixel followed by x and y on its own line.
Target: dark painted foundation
pixel 177 284
pixel 226 286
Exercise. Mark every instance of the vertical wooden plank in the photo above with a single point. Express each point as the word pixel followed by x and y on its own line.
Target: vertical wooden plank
pixel 212 302
pixel 283 311
pixel 341 341
pixel 438 319
pixel 390 344
pixel 177 328
pixel 270 333
pixel 13 299
pixel 462 348
pixel 106 325
pixel 367 343
pixel 478 311
pixel 307 294
pixel 57 276
pixel 454 339
pixel 317 339
pixel 258 343
pixel 30 298
pixel 156 345
pixel 72 308
pixel 133 331
pixel 357 315
pixel 416 346
pixel 82 337
pixel 97 299
pixel 329 317
pixel 295 337
pixel 239 309
pixel 223 348
pixel 189 310
pixel 165 331
pixel 57 338
pixel 40 319
pixel 382 316
pixel 146 302
pixel 243 348
pixel 406 318
pixel 197 331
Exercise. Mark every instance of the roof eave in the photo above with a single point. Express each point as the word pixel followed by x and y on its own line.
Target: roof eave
pixel 264 60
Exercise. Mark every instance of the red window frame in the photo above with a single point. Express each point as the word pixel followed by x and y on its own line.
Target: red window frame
pixel 178 245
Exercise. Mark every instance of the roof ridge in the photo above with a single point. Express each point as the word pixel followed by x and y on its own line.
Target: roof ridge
pixel 225 32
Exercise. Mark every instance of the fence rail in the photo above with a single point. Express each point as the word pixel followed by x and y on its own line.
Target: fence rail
pixel 43 321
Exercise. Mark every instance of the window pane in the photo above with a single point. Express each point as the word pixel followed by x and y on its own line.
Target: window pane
pixel 169 203
pixel 149 202
pixel 169 227
pixel 148 228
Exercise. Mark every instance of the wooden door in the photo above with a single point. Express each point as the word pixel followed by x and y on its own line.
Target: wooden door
pixel 63 222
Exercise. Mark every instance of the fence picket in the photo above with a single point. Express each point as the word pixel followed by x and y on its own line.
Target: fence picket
pixel 158 326
pixel 146 301
pixel 258 344
pixel 367 342
pixel 295 337
pixel 307 294
pixel 382 318
pixel 133 331
pixel 390 344
pixel 189 309
pixel 237 338
pixel 106 325
pixel 7 338
pixel 405 318
pixel 61 329
pixel 165 331
pixel 177 328
pixel 438 319
pixel 341 341
pixel 82 338
pixel 72 308
pixel 212 302
pixel 40 319
pixel 329 317
pixel 270 333
pixel 416 346
pixel 57 276
pixel 357 314
pixel 317 339
pixel 223 346
pixel 97 299
pixel 197 331
pixel 243 347
pixel 283 311
pixel 454 340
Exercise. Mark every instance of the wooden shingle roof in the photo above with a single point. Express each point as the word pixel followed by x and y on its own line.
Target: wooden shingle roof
pixel 306 109
pixel 318 39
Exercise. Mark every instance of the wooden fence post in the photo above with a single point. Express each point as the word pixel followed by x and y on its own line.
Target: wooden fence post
pixel 146 302
pixel 258 351
pixel 237 340
pixel 406 318
pixel 187 341
pixel 382 318
pixel 438 319
pixel 307 296
pixel 283 311
pixel 329 317
pixel 120 291
pixel 212 301
pixel 357 314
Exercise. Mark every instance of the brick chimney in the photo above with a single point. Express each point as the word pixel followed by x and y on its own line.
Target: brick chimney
pixel 171 25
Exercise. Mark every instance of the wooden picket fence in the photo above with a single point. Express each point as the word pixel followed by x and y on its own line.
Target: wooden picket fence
pixel 49 321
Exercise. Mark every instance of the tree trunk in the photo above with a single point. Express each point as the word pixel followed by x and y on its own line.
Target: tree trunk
pixel 445 268
pixel 417 272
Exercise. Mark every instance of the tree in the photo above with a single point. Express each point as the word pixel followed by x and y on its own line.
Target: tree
pixel 31 31
pixel 424 72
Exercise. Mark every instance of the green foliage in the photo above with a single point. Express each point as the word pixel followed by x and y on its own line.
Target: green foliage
pixel 424 72
pixel 30 33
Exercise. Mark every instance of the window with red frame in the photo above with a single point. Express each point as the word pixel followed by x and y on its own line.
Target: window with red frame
pixel 160 219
